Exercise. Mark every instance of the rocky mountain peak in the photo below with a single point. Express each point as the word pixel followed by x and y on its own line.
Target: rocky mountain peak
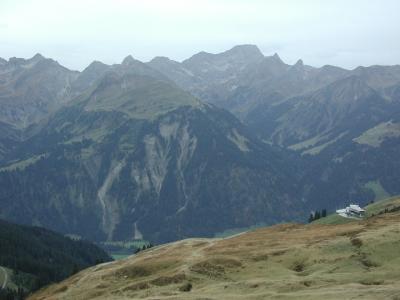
pixel 90 75
pixel 164 63
pixel 274 60
pixel 299 63
pixel 298 69
pixel 16 60
pixel 160 59
pixel 21 61
pixel 95 65
pixel 128 60
pixel 241 55
pixel 245 50
pixel 37 57
pixel 277 58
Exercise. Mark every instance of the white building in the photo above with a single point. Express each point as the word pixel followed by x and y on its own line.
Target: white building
pixel 353 210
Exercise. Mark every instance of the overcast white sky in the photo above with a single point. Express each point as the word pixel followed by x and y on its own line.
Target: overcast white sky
pixel 75 32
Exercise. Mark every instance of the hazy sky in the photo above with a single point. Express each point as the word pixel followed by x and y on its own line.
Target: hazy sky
pixel 75 32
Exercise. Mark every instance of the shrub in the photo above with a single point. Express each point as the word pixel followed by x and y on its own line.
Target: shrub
pixel 187 287
pixel 356 242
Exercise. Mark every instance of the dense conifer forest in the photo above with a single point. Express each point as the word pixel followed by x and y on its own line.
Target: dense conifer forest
pixel 38 256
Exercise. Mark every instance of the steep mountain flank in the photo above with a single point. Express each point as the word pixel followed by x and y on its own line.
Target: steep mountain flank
pixel 134 155
pixel 334 118
pixel 131 150
pixel 347 105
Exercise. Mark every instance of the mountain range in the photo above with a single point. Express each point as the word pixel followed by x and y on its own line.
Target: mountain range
pixel 165 150
pixel 342 124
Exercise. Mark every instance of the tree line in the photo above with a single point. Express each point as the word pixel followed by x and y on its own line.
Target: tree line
pixel 38 256
pixel 317 215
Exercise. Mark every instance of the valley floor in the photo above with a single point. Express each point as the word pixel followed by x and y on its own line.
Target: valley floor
pixel 356 260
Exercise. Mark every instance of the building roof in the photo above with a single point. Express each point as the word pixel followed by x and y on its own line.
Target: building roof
pixel 356 207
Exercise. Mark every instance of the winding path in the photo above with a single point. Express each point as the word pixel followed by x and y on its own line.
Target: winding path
pixel 5 278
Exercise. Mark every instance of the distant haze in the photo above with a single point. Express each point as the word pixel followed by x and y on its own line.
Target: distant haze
pixel 343 33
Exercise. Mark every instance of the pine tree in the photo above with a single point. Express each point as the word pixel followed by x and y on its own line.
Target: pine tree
pixel 323 214
pixel 311 218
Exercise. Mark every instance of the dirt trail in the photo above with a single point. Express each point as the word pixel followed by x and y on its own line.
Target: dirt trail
pixel 196 254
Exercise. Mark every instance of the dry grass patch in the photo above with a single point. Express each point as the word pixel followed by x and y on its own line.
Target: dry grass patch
pixel 133 272
pixel 279 252
pixel 167 280
pixel 61 289
pixel 200 244
pixel 260 257
pixel 137 287
pixel 93 294
pixel 368 263
pixel 226 262
pixel 356 242
pixel 143 269
pixel 215 267
pixel 371 282
pixel 208 269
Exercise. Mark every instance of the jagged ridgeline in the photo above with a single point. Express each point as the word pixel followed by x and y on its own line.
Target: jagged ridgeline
pixel 134 156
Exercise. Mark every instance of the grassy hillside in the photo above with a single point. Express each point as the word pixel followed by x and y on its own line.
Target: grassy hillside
pixel 371 209
pixel 333 219
pixel 140 97
pixel 358 260
pixel 381 206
